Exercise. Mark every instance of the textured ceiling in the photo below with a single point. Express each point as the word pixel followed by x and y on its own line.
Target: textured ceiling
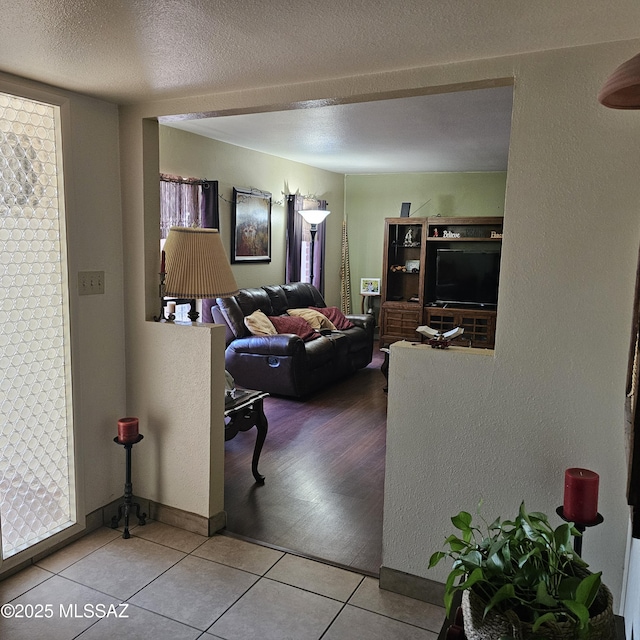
pixel 461 131
pixel 129 51
pixel 137 50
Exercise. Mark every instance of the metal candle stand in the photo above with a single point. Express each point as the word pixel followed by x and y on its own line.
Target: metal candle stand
pixel 581 527
pixel 128 503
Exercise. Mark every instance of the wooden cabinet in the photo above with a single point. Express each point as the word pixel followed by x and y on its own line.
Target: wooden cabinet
pixel 411 289
pixel 399 322
pixel 403 278
pixel 479 325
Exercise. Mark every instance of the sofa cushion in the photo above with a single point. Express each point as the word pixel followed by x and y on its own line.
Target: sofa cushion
pixel 302 294
pixel 314 318
pixel 255 298
pixel 278 298
pixel 336 316
pixel 259 324
pixel 292 324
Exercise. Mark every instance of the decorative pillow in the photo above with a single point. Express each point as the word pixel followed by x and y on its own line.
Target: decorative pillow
pixel 336 316
pixel 292 324
pixel 313 317
pixel 259 324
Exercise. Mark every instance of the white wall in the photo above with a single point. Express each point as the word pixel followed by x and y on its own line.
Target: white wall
pixel 504 427
pixel 551 396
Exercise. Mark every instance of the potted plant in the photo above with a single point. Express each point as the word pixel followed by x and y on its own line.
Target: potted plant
pixel 522 579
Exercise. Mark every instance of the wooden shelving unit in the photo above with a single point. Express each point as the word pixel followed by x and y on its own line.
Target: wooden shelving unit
pixel 408 278
pixel 403 278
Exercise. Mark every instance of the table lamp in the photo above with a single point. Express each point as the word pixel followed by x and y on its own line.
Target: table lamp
pixel 196 266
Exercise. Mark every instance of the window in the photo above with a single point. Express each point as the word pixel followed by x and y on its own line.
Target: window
pixel 187 202
pixel 37 486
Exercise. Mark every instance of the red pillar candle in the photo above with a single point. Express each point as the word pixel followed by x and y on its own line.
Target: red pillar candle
pixel 580 495
pixel 128 429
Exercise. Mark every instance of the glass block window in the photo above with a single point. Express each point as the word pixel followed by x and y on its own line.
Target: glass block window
pixel 36 463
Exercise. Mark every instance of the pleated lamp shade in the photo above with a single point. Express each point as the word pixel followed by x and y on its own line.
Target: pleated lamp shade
pixel 196 265
pixel 622 88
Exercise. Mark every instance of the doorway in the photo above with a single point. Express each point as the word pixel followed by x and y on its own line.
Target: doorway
pixel 239 157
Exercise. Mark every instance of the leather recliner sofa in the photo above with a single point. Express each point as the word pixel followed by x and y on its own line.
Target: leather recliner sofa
pixel 285 364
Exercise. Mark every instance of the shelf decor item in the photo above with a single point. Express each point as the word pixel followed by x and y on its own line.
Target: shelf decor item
pixel 521 579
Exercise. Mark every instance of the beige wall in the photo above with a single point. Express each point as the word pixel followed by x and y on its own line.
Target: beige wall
pixel 190 155
pixel 372 198
pixel 503 428
pixel 551 396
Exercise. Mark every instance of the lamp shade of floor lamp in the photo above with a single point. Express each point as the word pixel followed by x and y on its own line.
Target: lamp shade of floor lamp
pixel 314 217
pixel 621 90
pixel 197 265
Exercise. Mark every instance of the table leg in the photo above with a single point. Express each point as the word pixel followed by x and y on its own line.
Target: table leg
pixel 262 426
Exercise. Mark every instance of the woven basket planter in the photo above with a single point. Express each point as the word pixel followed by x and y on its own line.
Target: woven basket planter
pixel 495 625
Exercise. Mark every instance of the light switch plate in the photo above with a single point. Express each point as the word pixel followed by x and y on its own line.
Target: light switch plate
pixel 90 282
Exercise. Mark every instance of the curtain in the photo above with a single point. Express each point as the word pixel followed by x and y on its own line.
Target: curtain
pixel 189 202
pixel 180 203
pixel 297 233
pixel 318 252
pixel 294 239
pixel 210 211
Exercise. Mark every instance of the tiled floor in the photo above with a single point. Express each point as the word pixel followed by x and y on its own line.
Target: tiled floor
pixel 166 583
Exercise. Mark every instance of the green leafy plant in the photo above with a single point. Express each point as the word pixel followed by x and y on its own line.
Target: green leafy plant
pixel 522 567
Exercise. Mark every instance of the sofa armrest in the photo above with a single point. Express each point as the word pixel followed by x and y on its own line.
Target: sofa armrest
pixel 366 321
pixel 282 344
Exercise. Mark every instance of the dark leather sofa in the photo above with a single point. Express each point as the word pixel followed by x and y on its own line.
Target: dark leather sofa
pixel 284 364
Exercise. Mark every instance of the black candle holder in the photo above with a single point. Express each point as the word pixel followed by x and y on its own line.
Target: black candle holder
pixel 128 503
pixel 581 527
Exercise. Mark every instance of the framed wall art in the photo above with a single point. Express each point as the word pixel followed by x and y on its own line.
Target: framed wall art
pixel 370 286
pixel 251 226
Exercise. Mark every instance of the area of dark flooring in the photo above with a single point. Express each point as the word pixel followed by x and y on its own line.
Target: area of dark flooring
pixel 324 465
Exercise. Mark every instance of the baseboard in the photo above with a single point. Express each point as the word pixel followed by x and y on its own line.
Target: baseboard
pixel 187 520
pixel 412 586
pixel 169 515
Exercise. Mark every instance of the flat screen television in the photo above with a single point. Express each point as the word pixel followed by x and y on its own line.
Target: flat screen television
pixel 467 277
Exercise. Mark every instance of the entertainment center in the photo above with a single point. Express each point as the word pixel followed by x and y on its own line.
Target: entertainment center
pixel 442 272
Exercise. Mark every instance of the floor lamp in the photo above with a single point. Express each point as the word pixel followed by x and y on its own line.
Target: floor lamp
pixel 314 217
pixel 196 266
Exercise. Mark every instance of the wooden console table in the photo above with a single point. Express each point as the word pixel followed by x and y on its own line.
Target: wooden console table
pixel 244 412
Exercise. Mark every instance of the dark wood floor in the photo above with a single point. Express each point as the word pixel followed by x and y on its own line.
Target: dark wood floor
pixel 324 465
